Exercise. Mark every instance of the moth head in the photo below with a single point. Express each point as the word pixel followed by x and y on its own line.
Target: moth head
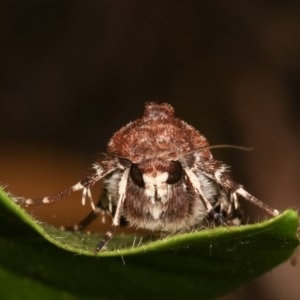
pixel 171 175
pixel 156 179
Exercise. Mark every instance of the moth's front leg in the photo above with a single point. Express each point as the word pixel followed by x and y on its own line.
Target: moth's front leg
pixel 99 170
pixel 122 189
pixel 219 173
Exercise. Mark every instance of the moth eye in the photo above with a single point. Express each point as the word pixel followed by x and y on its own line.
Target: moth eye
pixel 175 172
pixel 125 162
pixel 136 175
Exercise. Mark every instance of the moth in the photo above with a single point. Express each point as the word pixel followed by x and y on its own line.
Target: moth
pixel 159 174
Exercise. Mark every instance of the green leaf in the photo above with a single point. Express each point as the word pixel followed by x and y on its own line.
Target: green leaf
pixel 204 264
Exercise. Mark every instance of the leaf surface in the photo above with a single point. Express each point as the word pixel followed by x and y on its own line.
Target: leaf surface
pixel 204 264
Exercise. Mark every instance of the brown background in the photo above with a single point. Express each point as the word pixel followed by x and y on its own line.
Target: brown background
pixel 73 72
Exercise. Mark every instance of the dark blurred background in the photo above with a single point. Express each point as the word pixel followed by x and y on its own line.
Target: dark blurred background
pixel 73 72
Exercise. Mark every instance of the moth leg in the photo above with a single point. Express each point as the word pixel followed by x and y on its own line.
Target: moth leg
pixel 242 192
pixel 197 187
pixel 117 217
pixel 87 220
pixel 219 173
pixel 99 171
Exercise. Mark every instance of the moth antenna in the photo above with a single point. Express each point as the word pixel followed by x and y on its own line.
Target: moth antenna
pixel 243 148
pixel 218 146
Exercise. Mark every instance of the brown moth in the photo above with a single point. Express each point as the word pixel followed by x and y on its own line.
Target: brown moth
pixel 159 174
